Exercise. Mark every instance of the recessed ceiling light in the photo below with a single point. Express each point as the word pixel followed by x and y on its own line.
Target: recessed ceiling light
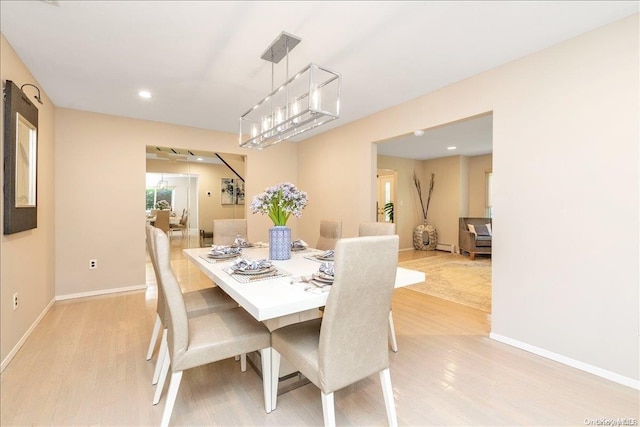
pixel 451 148
pixel 144 94
pixel 200 159
pixel 419 133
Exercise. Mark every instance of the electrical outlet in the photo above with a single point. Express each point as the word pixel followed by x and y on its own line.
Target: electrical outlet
pixel 93 264
pixel 15 300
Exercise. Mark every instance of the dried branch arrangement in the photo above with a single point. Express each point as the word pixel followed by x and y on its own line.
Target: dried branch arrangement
pixel 418 184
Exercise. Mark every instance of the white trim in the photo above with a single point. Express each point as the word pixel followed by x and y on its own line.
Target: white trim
pixel 612 376
pixel 26 335
pixel 100 292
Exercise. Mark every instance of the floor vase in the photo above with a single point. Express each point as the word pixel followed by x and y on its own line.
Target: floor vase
pixel 425 238
pixel 279 242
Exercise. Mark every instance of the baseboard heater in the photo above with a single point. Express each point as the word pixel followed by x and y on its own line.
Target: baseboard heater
pixel 447 247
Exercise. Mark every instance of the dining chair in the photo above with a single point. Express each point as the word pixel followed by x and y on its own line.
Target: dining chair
pixel 197 303
pixel 207 338
pixel 181 226
pixel 381 229
pixel 162 220
pixel 225 231
pixel 330 233
pixel 349 343
pixel 376 229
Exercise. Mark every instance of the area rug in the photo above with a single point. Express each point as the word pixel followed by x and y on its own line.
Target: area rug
pixel 455 278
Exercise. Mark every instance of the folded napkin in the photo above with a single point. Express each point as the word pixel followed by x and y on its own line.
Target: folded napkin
pixel 241 242
pixel 249 265
pixel 327 254
pixel 326 268
pixel 298 244
pixel 224 250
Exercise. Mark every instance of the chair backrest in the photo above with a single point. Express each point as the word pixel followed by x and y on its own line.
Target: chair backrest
pixel 176 319
pixel 162 220
pixel 184 219
pixel 330 233
pixel 161 307
pixel 226 230
pixel 376 229
pixel 465 221
pixel 354 331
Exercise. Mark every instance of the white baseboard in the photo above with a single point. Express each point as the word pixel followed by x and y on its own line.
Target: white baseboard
pixel 612 376
pixel 26 335
pixel 100 292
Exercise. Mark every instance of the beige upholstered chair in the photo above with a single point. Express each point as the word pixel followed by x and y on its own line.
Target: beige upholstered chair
pixel 382 229
pixel 181 226
pixel 330 233
pixel 197 303
pixel 207 338
pixel 376 229
pixel 226 230
pixel 350 342
pixel 162 220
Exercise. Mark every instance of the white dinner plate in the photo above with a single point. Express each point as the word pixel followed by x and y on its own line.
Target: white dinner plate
pixel 324 278
pixel 222 256
pixel 252 272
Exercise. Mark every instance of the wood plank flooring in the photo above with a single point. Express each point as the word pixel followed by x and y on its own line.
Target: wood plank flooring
pixel 84 365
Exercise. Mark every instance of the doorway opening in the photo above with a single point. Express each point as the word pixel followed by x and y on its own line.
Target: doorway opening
pixel 198 187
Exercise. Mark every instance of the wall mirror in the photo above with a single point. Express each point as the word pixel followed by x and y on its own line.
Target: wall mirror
pixel 20 160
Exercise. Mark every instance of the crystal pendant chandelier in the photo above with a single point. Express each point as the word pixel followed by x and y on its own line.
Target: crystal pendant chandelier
pixel 162 184
pixel 305 101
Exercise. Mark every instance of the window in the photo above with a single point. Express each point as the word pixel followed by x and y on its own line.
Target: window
pixel 488 211
pixel 154 195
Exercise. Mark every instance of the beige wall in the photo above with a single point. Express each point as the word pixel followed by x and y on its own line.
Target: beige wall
pixel 565 157
pixel 100 181
pixel 478 167
pixel 447 198
pixel 27 262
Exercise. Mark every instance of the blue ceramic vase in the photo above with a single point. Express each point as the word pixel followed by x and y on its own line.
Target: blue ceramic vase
pixel 279 242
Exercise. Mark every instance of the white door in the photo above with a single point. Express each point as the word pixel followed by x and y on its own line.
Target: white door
pixel 385 195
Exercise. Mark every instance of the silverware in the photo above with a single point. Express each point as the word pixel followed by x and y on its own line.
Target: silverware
pixel 319 284
pixel 263 275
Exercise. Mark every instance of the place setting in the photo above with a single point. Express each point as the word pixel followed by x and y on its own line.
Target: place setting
pixel 222 253
pixel 241 242
pixel 246 270
pixel 319 282
pixel 299 245
pixel 322 257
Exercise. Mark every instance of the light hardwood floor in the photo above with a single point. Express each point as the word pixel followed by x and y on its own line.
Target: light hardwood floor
pixel 84 365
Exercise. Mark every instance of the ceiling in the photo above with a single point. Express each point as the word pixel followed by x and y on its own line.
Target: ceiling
pixel 201 59
pixel 469 137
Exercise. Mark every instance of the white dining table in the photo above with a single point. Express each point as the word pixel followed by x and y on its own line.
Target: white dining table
pixel 281 300
pixel 278 301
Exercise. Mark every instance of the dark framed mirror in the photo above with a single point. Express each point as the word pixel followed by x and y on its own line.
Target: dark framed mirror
pixel 20 160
